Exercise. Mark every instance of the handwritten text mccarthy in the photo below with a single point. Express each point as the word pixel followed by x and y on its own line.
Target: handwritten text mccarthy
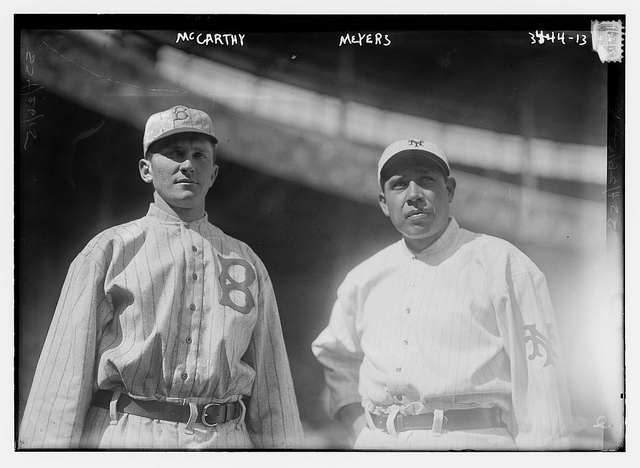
pixel 211 38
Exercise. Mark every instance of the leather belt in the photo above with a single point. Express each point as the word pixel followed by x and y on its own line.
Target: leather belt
pixel 210 414
pixel 454 420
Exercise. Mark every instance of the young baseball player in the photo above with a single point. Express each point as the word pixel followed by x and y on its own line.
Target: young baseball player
pixel 167 333
pixel 445 340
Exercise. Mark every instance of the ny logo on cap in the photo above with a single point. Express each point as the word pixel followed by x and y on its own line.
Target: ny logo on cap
pixel 180 113
pixel 416 143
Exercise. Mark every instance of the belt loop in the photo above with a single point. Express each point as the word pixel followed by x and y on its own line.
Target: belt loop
pixel 368 406
pixel 438 419
pixel 193 417
pixel 391 421
pixel 243 412
pixel 113 413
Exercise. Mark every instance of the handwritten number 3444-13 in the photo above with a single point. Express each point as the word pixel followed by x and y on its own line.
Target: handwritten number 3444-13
pixel 540 37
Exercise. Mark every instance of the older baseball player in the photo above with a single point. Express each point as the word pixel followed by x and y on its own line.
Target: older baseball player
pixel 444 340
pixel 167 333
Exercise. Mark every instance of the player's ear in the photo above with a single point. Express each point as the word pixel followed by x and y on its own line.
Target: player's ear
pixel 451 187
pixel 144 165
pixel 383 204
pixel 214 174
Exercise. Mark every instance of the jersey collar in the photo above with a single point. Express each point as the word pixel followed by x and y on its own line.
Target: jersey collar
pixel 163 217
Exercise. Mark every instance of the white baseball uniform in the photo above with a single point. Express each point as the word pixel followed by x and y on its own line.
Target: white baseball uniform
pixel 466 323
pixel 164 310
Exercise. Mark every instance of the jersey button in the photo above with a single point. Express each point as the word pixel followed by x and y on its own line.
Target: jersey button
pixel 408 310
pixel 406 342
pixel 184 376
pixel 399 369
pixel 194 248
pixel 412 284
pixel 192 307
pixel 194 276
pixel 189 340
pixel 398 397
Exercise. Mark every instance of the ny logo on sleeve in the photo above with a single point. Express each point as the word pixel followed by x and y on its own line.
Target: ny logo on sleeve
pixel 540 342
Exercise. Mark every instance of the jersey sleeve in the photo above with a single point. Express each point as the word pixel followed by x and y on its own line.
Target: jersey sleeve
pixel 272 414
pixel 541 414
pixel 62 387
pixel 338 349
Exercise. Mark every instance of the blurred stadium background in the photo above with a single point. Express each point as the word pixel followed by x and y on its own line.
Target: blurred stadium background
pixel 302 122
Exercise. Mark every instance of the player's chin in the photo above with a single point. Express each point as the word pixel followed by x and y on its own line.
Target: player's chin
pixel 185 199
pixel 186 189
pixel 419 225
pixel 414 232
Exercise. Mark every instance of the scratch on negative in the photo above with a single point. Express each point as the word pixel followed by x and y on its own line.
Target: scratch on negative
pixel 510 201
pixel 109 79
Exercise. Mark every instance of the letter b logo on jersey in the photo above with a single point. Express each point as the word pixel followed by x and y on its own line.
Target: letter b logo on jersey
pixel 232 287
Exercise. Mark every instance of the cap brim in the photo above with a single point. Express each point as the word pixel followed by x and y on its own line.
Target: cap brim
pixel 176 131
pixel 408 157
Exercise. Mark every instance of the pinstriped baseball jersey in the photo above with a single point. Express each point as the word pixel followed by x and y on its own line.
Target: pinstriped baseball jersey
pixel 165 310
pixel 465 323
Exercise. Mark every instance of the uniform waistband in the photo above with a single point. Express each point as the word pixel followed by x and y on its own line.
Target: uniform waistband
pixel 210 414
pixel 451 420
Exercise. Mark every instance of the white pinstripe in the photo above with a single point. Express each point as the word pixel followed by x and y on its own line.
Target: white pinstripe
pixel 445 328
pixel 124 321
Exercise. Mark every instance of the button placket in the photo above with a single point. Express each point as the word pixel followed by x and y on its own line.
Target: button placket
pixel 190 320
pixel 407 321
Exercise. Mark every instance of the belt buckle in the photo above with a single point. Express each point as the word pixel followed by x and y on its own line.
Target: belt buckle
pixel 204 414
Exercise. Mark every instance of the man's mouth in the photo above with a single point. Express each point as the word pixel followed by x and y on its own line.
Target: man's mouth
pixel 186 181
pixel 417 214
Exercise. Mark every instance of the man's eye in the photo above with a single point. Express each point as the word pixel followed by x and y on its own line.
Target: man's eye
pixel 200 156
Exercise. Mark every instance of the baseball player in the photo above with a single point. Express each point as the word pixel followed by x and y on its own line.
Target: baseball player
pixel 445 340
pixel 167 333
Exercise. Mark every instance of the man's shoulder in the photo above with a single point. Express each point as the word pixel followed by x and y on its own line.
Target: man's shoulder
pixel 120 230
pixel 118 234
pixel 496 251
pixel 232 245
pixel 486 242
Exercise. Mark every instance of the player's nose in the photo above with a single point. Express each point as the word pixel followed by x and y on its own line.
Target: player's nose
pixel 186 166
pixel 414 192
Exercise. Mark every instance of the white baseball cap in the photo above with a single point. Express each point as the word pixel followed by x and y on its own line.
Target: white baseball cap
pixel 178 119
pixel 416 147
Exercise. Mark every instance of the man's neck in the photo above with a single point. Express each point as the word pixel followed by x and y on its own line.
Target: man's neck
pixel 185 214
pixel 418 245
